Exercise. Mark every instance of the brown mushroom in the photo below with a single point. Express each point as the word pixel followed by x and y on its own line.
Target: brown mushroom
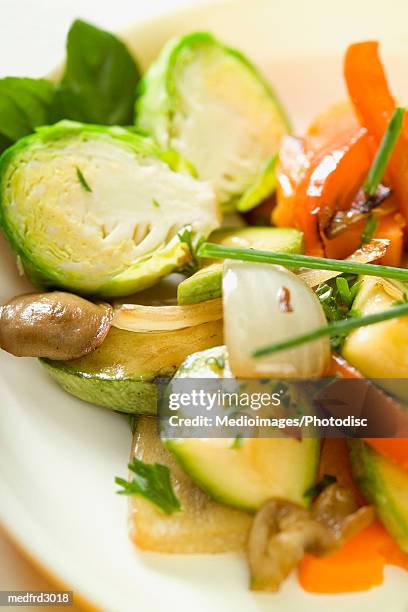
pixel 56 325
pixel 280 535
pixel 337 508
pixel 282 532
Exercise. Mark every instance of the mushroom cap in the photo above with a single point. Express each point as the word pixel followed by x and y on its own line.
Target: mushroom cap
pixel 56 325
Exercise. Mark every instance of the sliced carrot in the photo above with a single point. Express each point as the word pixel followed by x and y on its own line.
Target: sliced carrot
pixel 357 566
pixel 374 105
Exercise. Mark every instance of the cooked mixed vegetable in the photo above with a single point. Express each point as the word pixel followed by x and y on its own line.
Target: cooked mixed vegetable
pixel 113 189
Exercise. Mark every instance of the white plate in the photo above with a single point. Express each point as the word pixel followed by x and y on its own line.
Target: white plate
pixel 59 456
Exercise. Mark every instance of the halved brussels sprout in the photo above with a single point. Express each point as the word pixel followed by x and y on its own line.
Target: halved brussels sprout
pixel 97 210
pixel 209 103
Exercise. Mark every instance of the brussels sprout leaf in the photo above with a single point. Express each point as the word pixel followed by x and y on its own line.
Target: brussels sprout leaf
pixel 99 83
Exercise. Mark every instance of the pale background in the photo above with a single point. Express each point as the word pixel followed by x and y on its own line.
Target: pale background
pixel 32 38
pixel 32 32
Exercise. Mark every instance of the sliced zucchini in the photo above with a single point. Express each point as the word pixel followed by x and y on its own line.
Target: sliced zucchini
pixel 247 474
pixel 380 350
pixel 202 526
pixel 206 284
pixel 120 373
pixel 209 103
pixel 385 485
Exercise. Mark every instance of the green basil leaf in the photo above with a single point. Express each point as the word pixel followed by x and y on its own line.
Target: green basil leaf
pixel 24 105
pixel 100 79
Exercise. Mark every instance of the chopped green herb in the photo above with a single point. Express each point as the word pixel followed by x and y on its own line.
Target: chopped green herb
pixel 237 442
pixel 151 481
pixel 336 297
pixel 294 260
pixel 320 486
pixel 336 327
pixel 83 180
pixel 186 235
pixel 347 288
pixel 384 152
pixel 217 363
pixel 155 203
pixel 370 227
pixel 344 290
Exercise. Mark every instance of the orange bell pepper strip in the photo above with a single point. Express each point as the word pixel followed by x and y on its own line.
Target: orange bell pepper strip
pixel 357 566
pixel 374 105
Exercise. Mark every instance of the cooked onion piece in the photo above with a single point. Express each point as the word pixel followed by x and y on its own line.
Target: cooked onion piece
pixel 376 248
pixel 264 304
pixel 55 325
pixel 139 318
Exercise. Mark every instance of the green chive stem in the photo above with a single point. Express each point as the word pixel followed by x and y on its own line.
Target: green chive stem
pixel 332 329
pixel 384 152
pixel 293 260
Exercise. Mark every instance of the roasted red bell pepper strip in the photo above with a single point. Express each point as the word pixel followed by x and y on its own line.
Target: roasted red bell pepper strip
pixel 330 185
pixel 374 105
pixel 394 449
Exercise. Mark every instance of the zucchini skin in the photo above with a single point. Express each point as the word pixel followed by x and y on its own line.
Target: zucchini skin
pixel 131 396
pixel 368 470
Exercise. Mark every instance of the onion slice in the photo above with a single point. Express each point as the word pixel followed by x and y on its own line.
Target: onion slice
pixel 371 251
pixel 254 316
pixel 139 318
